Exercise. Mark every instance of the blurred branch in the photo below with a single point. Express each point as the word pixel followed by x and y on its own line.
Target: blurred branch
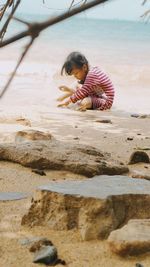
pixel 36 28
pixel 146 14
pixel 75 4
pixel 17 66
pixel 3 30
pixel 9 3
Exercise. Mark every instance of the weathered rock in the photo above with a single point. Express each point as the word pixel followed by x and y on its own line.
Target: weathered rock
pixel 139 156
pixel 58 155
pixel 33 135
pixel 139 175
pixel 132 239
pixel 94 206
pixel 46 255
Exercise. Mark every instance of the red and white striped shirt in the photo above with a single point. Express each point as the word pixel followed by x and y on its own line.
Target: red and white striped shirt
pixel 98 86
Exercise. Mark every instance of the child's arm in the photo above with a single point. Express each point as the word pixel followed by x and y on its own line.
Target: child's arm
pixel 65 104
pixel 68 92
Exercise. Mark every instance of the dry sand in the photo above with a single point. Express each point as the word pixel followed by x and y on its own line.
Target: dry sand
pixel 76 127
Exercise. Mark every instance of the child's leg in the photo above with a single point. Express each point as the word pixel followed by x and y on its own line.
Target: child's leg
pixel 100 103
pixel 86 103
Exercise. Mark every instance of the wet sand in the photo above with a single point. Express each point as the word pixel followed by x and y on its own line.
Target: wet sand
pixel 76 127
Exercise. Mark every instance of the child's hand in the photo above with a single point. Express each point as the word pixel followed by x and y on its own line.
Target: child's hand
pixel 66 89
pixel 61 98
pixel 65 104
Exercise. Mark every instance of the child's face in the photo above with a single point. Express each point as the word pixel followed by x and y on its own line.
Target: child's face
pixel 81 73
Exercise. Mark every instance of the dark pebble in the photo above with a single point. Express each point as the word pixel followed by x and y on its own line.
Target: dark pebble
pixel 76 138
pixel 129 138
pixel 138 265
pixel 46 255
pixel 104 121
pixel 135 115
pixel 139 156
pixel 40 172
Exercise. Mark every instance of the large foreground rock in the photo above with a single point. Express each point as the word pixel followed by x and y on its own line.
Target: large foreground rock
pixel 57 155
pixel 132 239
pixel 94 206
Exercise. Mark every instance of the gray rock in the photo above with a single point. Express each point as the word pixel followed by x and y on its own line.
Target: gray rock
pixel 46 255
pixel 93 206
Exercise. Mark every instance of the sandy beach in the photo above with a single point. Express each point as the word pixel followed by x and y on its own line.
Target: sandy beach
pixel 78 128
pixel 30 104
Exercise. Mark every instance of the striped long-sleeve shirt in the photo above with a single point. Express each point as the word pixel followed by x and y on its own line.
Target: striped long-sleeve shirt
pixel 99 87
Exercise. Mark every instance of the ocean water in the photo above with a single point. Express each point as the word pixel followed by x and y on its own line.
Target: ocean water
pixel 120 48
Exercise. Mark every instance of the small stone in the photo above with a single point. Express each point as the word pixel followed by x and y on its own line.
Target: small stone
pixel 139 156
pixel 104 121
pixel 46 255
pixel 129 138
pixel 135 115
pixel 76 138
pixel 144 116
pixel 138 265
pixel 37 245
pixel 40 172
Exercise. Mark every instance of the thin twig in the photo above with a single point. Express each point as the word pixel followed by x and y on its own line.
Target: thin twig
pixel 4 29
pixel 73 5
pixel 17 66
pixel 8 4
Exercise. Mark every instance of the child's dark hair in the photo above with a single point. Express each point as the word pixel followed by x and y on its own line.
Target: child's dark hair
pixel 74 60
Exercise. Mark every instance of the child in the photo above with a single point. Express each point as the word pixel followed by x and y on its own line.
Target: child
pixel 97 90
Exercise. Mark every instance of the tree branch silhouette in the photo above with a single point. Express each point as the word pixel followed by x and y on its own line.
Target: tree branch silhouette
pixel 35 28
pixel 4 28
